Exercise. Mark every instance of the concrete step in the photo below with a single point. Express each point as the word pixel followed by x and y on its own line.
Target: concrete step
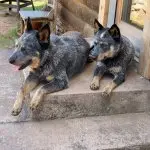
pixel 76 101
pixel 119 132
pixel 79 101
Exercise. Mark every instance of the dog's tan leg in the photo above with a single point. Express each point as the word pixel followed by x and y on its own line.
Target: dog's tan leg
pixel 108 89
pixel 98 74
pixel 54 86
pixel 37 97
pixel 95 84
pixel 28 86
pixel 119 78
pixel 18 104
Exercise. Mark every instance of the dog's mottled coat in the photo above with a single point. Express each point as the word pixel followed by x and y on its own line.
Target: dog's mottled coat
pixel 114 53
pixel 53 61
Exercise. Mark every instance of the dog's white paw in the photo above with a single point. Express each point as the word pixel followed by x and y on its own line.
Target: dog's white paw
pixel 16 111
pixel 34 105
pixel 107 91
pixel 95 83
pixel 94 86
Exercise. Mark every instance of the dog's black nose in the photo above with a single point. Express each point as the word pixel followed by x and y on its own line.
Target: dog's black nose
pixel 11 61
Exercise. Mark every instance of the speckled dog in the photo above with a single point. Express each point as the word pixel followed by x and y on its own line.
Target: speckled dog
pixel 52 62
pixel 113 53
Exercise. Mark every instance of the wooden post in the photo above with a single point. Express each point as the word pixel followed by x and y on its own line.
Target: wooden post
pixel 119 11
pixel 144 66
pixel 103 12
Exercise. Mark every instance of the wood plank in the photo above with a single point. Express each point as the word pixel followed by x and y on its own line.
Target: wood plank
pixel 144 67
pixel 119 11
pixel 24 1
pixel 34 14
pixel 112 13
pixel 7 5
pixel 4 1
pixel 103 12
pixel 25 4
pixel 70 20
pixel 79 10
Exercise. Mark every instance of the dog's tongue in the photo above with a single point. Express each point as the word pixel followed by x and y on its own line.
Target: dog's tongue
pixel 16 68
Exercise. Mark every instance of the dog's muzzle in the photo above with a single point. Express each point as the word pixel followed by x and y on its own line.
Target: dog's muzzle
pixel 20 67
pixel 25 65
pixel 11 61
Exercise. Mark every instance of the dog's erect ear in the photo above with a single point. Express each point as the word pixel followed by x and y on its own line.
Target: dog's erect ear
pixel 97 25
pixel 28 25
pixel 114 31
pixel 44 33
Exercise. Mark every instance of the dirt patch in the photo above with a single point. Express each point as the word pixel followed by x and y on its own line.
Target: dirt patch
pixel 8 27
pixel 8 21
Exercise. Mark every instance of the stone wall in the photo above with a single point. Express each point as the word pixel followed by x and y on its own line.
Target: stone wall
pixel 76 15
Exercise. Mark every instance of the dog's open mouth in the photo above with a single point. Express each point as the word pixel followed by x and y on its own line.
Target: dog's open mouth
pixel 91 57
pixel 24 65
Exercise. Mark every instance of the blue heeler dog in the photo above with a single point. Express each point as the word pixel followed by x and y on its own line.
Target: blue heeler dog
pixel 113 53
pixel 52 62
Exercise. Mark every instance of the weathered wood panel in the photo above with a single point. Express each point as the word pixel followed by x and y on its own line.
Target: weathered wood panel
pixel 68 19
pixel 103 12
pixel 77 15
pixel 94 5
pixel 112 13
pixel 80 10
pixel 144 67
pixel 119 11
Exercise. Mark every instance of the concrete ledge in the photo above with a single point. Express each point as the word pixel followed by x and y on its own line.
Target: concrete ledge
pixel 118 132
pixel 78 100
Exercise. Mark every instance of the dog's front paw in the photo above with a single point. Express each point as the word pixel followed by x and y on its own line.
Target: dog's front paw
pixel 17 107
pixel 34 105
pixel 94 86
pixel 107 91
pixel 16 111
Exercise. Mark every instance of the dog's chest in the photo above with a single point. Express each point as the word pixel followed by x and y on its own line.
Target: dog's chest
pixel 45 72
